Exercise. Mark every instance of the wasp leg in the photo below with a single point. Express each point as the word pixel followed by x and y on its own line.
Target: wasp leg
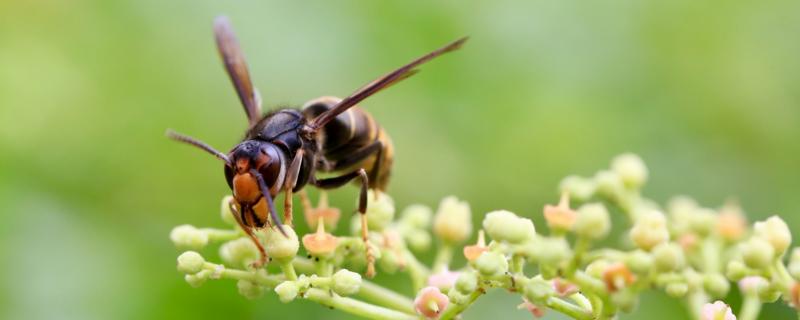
pixel 335 182
pixel 291 182
pixel 249 231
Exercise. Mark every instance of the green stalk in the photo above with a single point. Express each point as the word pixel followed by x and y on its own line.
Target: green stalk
pixel 568 309
pixel 751 307
pixel 385 297
pixel 352 306
pixel 443 257
pixel 454 309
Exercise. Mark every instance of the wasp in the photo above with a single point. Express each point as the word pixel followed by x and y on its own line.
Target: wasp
pixel 284 149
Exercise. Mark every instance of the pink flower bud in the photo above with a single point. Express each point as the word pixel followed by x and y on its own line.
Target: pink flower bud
pixel 430 302
pixel 443 280
pixel 717 311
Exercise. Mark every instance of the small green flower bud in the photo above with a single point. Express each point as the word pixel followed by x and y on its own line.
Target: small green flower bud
pixel 794 266
pixel 467 282
pixel 249 289
pixel 757 253
pixel 677 289
pixel 609 184
pixel 491 264
pixel 550 251
pixel 453 221
pixel 188 237
pixel 650 230
pixel 389 262
pixel 239 253
pixel 418 240
pixel 593 221
pixel 458 297
pixel 775 231
pixel 597 267
pixel 630 169
pixel 668 257
pixel 503 225
pixel 417 216
pixel 538 290
pixel 716 285
pixel 190 262
pixel 279 246
pixel 626 300
pixel 578 188
pixel 346 283
pixel 287 291
pixel 703 221
pixel 225 211
pixel 198 279
pixel 639 261
pixel 736 270
pixel 380 211
pixel 681 209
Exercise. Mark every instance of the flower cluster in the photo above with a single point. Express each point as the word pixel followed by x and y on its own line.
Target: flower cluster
pixel 688 251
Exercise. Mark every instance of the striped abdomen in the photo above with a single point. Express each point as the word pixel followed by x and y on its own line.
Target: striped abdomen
pixel 353 140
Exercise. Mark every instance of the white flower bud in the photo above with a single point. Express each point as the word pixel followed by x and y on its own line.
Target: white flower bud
pixel 190 262
pixel 225 211
pixel 346 283
pixel 417 216
pixel 775 231
pixel 198 279
pixel 287 291
pixel 491 264
pixel 453 220
pixel 668 257
pixel 578 188
pixel 757 253
pixel 631 170
pixel 503 225
pixel 593 221
pixel 249 289
pixel 650 230
pixel 279 246
pixel 188 237
pixel 239 253
pixel 380 211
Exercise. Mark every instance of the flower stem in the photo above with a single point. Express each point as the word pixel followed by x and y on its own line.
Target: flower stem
pixel 385 297
pixel 288 269
pixel 569 309
pixel 751 307
pixel 443 257
pixel 353 306
pixel 455 309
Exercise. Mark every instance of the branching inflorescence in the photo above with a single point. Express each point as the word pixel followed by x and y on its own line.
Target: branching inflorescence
pixel 691 253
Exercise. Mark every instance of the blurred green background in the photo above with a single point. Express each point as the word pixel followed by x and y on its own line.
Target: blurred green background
pixel 707 92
